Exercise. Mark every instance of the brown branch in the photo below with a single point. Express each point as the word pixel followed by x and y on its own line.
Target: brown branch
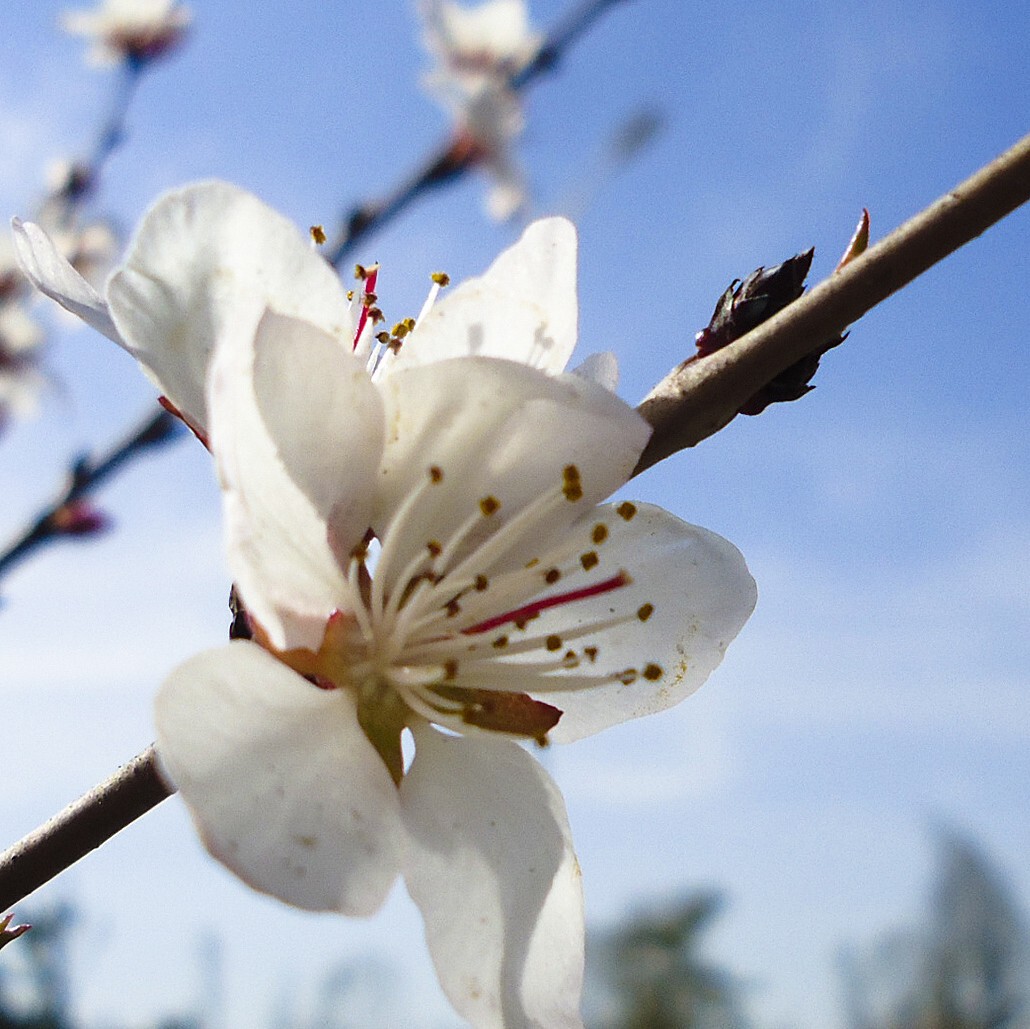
pixel 698 398
pixel 59 519
pixel 81 827
pixel 692 403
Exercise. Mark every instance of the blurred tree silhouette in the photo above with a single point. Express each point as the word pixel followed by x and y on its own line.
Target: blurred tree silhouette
pixel 34 986
pixel 649 972
pixel 967 967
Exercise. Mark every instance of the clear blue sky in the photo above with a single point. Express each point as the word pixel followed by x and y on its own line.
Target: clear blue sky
pixel 882 685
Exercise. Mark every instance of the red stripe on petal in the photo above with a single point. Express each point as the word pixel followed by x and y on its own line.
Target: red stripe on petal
pixel 533 609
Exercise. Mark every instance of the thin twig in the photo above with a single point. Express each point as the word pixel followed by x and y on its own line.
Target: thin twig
pixel 684 409
pixel 699 398
pixel 81 827
pixel 85 476
pixel 457 155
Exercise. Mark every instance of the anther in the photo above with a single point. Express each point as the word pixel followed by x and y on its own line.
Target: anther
pixel 572 487
pixel 589 560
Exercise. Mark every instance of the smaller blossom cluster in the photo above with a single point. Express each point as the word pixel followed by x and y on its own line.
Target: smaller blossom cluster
pixel 477 52
pixel 135 31
pixel 88 246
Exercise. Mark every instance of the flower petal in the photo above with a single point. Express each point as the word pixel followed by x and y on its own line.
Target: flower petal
pixel 47 269
pixel 602 368
pixel 528 429
pixel 491 866
pixel 281 782
pixel 522 309
pixel 195 253
pixel 297 434
pixel 690 594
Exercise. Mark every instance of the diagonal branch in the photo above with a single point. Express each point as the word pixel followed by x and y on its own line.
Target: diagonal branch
pixel 81 827
pixel 692 403
pixel 698 398
pixel 86 474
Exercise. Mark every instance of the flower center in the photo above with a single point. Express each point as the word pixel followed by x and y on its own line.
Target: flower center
pixel 462 632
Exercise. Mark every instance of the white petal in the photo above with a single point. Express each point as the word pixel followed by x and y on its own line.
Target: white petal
pixel 495 429
pixel 196 252
pixel 52 275
pixel 491 866
pixel 281 782
pixel 698 593
pixel 297 434
pixel 602 368
pixel 522 309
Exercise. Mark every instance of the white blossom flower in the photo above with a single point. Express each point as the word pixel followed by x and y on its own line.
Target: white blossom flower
pixel 133 30
pixel 423 554
pixel 477 51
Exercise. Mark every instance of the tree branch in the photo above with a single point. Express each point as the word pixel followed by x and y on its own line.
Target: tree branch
pixel 700 397
pixel 81 827
pixel 689 405
pixel 86 474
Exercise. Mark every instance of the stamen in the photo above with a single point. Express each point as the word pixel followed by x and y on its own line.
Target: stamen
pixel 369 275
pixel 534 608
pixel 508 536
pixel 357 601
pixel 440 279
pixel 392 538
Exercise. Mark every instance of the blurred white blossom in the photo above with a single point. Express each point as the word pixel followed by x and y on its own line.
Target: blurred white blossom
pixel 477 50
pixel 129 30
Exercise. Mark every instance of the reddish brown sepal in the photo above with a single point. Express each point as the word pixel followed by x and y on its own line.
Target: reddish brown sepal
pixel 747 304
pixel 515 713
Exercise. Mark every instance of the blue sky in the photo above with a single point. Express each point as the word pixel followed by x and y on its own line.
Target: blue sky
pixel 881 686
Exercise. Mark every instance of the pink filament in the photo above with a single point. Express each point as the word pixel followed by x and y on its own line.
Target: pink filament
pixel 368 286
pixel 533 609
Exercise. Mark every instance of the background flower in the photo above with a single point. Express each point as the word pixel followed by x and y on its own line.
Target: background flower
pixel 129 30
